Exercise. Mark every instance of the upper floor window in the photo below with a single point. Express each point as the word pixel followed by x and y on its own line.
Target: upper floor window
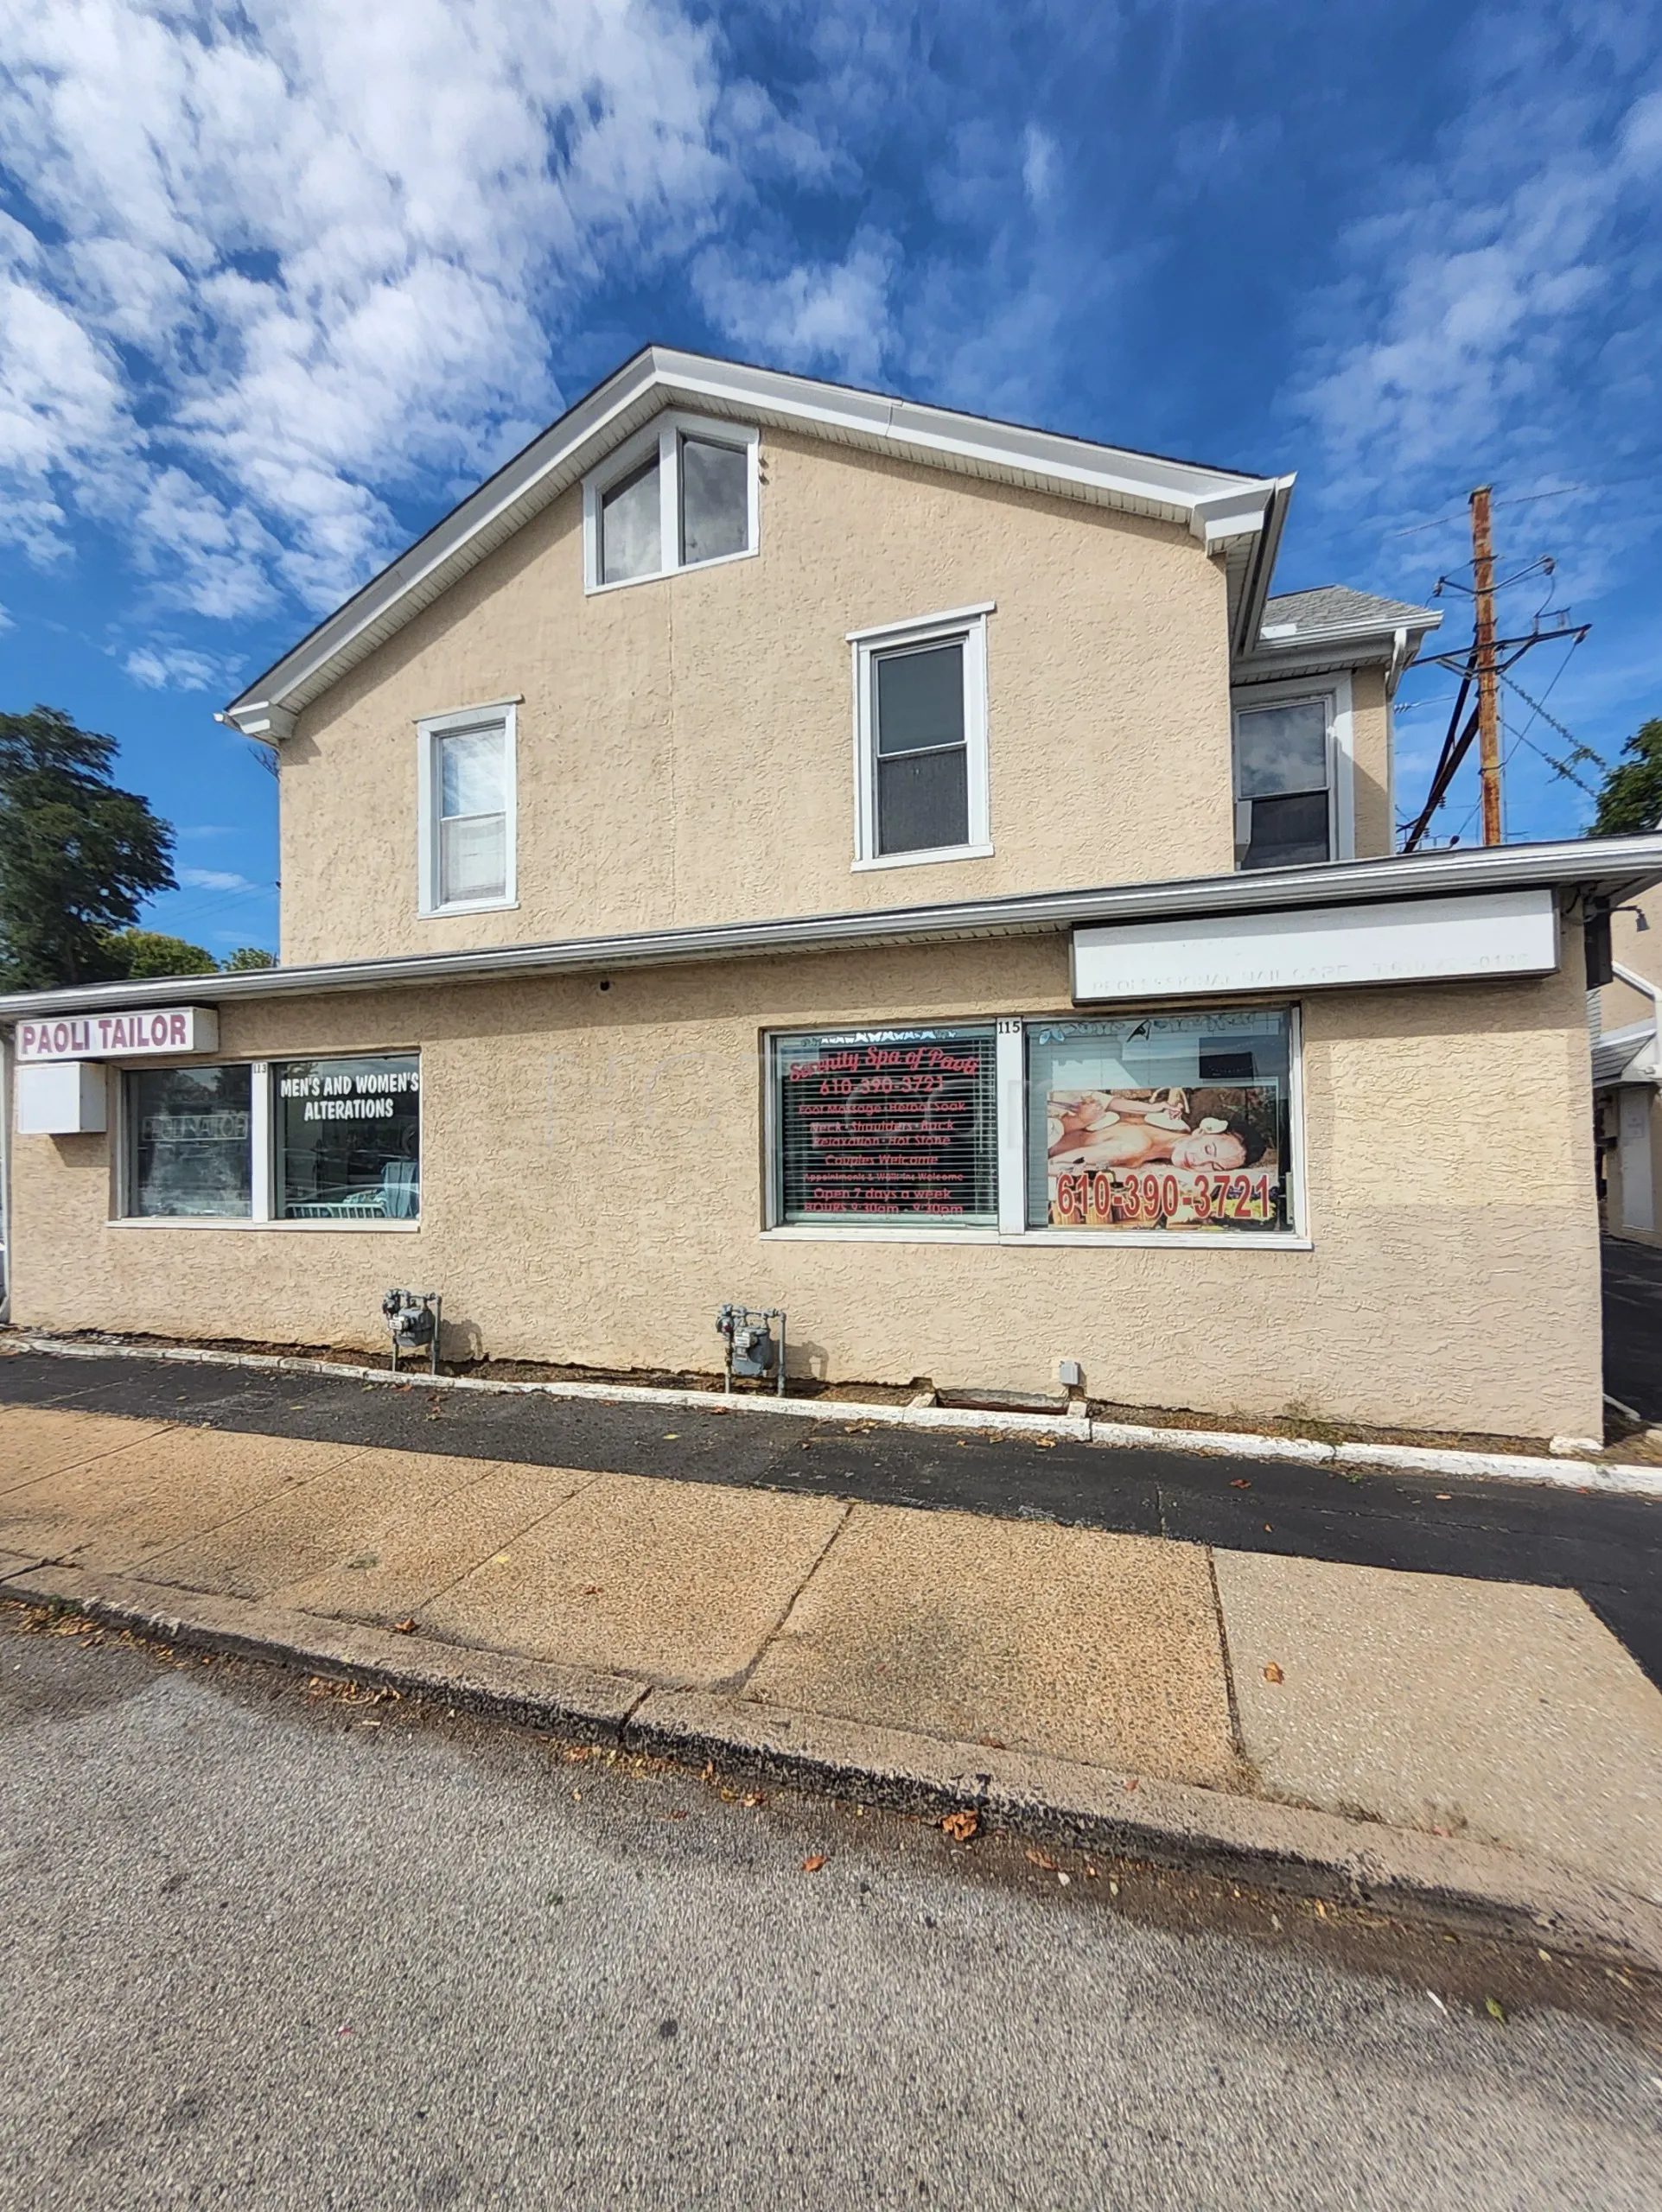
pixel 466 767
pixel 921 723
pixel 1284 809
pixel 681 493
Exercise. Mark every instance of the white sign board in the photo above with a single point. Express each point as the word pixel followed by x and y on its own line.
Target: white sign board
pixel 1320 947
pixel 64 1098
pixel 144 1033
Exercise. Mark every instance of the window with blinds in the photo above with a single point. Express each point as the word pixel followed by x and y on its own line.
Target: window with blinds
pixel 885 1126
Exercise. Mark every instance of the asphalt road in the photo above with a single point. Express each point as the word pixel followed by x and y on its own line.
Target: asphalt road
pixel 1608 1547
pixel 273 1948
pixel 1633 1325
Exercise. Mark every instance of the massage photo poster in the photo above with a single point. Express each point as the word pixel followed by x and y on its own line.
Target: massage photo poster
pixel 1206 1156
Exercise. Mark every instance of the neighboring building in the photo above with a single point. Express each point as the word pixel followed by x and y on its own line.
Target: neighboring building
pixel 778 843
pixel 1625 1073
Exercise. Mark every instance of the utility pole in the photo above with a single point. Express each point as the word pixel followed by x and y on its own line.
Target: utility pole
pixel 1488 687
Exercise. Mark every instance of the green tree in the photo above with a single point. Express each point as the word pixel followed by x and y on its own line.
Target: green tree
pixel 148 952
pixel 250 955
pixel 78 856
pixel 1630 798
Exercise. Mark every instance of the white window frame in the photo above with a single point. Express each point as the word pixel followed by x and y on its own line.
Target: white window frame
pixel 263 1212
pixel 1011 1107
pixel 1334 693
pixel 501 712
pixel 867 647
pixel 663 434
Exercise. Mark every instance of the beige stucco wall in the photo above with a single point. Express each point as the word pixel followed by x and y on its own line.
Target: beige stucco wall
pixel 592 1191
pixel 685 745
pixel 1376 834
pixel 1620 1005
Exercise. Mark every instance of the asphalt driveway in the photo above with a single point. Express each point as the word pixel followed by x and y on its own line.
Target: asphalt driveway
pixel 1633 1325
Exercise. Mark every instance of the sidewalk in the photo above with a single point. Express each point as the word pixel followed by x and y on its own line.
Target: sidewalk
pixel 1493 1735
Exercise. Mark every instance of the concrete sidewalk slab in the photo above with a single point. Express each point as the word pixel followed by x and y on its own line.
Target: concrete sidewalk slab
pixel 344 1513
pixel 1493 1710
pixel 1068 1642
pixel 115 1512
pixel 395 1572
pixel 41 1440
pixel 679 1581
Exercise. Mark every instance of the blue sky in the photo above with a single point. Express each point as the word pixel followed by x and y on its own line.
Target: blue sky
pixel 281 281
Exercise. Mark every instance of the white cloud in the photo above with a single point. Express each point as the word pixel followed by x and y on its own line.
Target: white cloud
pixel 1040 162
pixel 832 316
pixel 173 668
pixel 312 252
pixel 216 879
pixel 1483 325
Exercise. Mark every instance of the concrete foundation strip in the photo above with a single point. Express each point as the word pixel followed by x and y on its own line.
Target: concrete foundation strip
pixel 1566 1473
pixel 1447 1881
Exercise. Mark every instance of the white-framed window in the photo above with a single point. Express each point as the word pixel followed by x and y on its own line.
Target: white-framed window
pixel 1294 800
pixel 920 774
pixel 682 493
pixel 467 825
pixel 1149 1128
pixel 333 1140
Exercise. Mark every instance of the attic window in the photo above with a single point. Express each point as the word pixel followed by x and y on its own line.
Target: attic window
pixel 682 493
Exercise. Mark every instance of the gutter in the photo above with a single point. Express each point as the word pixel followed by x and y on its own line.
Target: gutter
pixel 1611 868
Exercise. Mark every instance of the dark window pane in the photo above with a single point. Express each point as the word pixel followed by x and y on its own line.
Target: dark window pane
pixel 923 802
pixel 887 1124
pixel 714 500
pixel 1281 749
pixel 921 699
pixel 1288 832
pixel 349 1138
pixel 631 535
pixel 191 1139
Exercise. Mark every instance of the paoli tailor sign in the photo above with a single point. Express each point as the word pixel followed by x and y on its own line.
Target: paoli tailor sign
pixel 146 1033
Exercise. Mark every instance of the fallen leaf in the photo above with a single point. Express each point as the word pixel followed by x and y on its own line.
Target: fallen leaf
pixel 961 1826
pixel 813 1864
pixel 1495 2010
pixel 1045 1443
pixel 1273 1674
pixel 404 1627
pixel 1239 1482
pixel 671 1435
pixel 1038 1858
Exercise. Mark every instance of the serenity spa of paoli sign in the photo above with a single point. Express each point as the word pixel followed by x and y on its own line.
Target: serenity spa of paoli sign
pixel 145 1033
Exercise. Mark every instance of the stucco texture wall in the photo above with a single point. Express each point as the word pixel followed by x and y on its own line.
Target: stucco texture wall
pixel 685 744
pixel 1375 831
pixel 591 1191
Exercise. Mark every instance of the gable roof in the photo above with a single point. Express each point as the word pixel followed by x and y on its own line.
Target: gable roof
pixel 1230 511
pixel 1335 626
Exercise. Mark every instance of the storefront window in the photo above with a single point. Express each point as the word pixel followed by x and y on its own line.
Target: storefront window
pixel 191 1130
pixel 886 1125
pixel 1178 1122
pixel 348 1138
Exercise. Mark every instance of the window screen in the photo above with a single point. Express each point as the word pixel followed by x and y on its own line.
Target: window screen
pixel 631 527
pixel 896 1125
pixel 922 761
pixel 714 500
pixel 349 1134
pixel 192 1129
pixel 473 824
pixel 1178 1122
pixel 1281 780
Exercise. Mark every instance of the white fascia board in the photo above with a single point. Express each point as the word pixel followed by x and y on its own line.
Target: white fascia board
pixel 1607 868
pixel 1383 641
pixel 659 378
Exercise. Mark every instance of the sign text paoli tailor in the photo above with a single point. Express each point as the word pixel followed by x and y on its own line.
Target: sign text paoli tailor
pixel 145 1033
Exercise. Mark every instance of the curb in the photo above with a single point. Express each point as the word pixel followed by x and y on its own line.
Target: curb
pixel 1611 1478
pixel 1445 1881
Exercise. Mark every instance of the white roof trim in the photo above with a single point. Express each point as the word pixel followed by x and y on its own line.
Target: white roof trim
pixel 1219 505
pixel 1608 869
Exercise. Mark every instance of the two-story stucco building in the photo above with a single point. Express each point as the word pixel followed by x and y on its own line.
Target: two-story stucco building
pixel 778 843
